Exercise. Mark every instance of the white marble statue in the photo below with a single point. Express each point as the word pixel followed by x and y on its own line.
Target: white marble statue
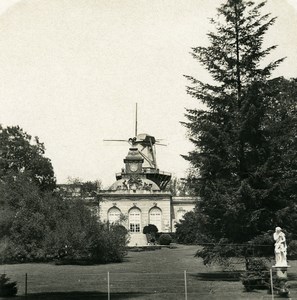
pixel 280 248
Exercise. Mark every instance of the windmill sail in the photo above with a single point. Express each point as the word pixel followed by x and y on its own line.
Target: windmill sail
pixel 145 145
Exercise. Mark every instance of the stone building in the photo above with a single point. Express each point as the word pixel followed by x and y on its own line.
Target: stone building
pixel 138 197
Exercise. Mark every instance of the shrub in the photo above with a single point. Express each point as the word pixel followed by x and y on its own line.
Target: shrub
pixel 150 229
pixel 188 230
pixel 292 249
pixel 47 227
pixel 261 245
pixel 220 253
pixel 109 245
pixel 256 275
pixel 165 239
pixel 7 289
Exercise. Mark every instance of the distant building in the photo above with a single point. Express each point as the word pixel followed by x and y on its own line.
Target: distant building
pixel 72 190
pixel 81 190
pixel 138 196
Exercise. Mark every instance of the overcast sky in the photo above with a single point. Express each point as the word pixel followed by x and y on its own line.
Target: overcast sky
pixel 71 72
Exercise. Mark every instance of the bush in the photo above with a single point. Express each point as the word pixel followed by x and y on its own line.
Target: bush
pixel 292 249
pixel 188 230
pixel 7 289
pixel 256 275
pixel 261 245
pixel 109 245
pixel 165 239
pixel 150 229
pixel 69 233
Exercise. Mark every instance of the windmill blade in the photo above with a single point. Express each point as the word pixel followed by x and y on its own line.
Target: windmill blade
pixel 150 162
pixel 115 140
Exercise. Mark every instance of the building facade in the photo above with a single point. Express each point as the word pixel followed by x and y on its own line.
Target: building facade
pixel 139 197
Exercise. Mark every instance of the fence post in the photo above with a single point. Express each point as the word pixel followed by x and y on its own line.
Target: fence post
pixel 26 285
pixel 271 284
pixel 108 286
pixel 186 288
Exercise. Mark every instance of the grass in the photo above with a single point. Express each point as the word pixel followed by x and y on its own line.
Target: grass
pixel 145 275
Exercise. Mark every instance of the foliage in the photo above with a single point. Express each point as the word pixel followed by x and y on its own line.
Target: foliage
pixel 40 225
pixel 7 289
pixel 83 188
pixel 23 232
pixel 36 222
pixel 6 220
pixel 188 230
pixel 222 251
pixel 150 229
pixel 63 230
pixel 256 275
pixel 219 252
pixel 110 245
pixel 281 287
pixel 260 245
pixel 79 236
pixel 165 239
pixel 292 249
pixel 20 154
pixel 244 163
pixel 71 232
pixel 179 187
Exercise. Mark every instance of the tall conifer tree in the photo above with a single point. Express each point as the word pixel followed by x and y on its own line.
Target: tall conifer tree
pixel 231 161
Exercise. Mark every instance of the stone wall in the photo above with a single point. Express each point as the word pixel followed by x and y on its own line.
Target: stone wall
pixel 180 206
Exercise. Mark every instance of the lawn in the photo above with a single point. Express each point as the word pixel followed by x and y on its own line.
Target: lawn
pixel 145 275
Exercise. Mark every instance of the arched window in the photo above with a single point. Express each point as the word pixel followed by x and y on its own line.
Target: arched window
pixel 155 217
pixel 134 220
pixel 114 215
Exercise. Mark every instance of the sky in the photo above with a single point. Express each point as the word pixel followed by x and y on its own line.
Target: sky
pixel 71 72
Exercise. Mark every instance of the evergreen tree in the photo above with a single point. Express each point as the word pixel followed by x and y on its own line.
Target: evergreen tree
pixel 233 159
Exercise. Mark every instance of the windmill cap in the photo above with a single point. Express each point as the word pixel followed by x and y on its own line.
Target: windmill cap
pixel 144 137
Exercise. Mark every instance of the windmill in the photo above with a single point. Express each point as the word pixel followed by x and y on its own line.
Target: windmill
pixel 146 146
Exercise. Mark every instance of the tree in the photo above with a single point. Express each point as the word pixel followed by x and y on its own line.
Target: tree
pixel 179 187
pixel 20 154
pixel 76 187
pixel 43 226
pixel 23 233
pixel 36 222
pixel 233 167
pixel 188 229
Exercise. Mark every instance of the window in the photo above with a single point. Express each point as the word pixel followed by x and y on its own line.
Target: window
pixel 134 220
pixel 155 217
pixel 114 215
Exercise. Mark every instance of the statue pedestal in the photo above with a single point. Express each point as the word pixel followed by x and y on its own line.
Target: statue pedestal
pixel 281 271
pixel 281 284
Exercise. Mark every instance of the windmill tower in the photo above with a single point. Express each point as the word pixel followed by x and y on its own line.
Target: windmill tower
pixel 145 146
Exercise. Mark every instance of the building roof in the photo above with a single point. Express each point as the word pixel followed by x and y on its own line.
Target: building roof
pixel 135 184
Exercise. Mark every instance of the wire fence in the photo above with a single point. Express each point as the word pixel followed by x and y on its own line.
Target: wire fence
pixel 121 285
